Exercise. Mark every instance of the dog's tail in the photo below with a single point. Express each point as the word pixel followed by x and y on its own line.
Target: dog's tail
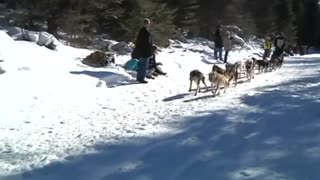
pixel 227 81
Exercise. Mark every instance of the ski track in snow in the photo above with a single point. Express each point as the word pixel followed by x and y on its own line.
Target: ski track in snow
pixel 62 116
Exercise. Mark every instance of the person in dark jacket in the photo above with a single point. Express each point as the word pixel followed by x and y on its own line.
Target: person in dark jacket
pixel 218 43
pixel 143 51
pixel 279 45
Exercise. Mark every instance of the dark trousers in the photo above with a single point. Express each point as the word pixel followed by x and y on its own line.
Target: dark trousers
pixel 216 52
pixel 226 53
pixel 266 53
pixel 277 53
pixel 142 69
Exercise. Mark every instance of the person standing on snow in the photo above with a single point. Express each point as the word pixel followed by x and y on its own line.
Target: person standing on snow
pixel 218 43
pixel 267 45
pixel 227 43
pixel 279 45
pixel 143 50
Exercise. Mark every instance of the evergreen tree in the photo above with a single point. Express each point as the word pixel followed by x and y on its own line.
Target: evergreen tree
pixel 298 9
pixel 285 19
pixel 310 22
pixel 162 20
pixel 121 19
pixel 237 14
pixel 186 14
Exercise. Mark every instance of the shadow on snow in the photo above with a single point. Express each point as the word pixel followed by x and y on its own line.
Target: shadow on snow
pixel 111 79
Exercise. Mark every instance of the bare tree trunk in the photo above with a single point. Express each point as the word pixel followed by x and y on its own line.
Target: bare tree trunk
pixel 52 25
pixel 30 20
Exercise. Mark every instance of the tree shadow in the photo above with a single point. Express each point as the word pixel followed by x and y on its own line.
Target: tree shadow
pixel 2 71
pixel 111 79
pixel 184 95
pixel 198 98
pixel 176 97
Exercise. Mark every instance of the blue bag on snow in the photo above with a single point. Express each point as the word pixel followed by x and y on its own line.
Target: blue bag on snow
pixel 132 64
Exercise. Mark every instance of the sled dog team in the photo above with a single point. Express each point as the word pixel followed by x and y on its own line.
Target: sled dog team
pixel 221 77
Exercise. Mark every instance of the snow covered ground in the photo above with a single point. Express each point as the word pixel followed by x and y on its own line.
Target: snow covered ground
pixel 63 120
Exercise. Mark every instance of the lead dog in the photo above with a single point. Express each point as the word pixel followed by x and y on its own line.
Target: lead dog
pixel 197 76
pixel 249 67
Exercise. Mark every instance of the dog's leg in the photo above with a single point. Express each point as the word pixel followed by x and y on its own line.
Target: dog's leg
pixel 218 89
pixel 212 89
pixel 236 79
pixel 266 69
pixel 247 74
pixel 260 69
pixel 230 79
pixel 190 85
pixel 198 87
pixel 253 72
pixel 225 86
pixel 204 82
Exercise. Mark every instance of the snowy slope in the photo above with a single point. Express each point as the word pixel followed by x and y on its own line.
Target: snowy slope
pixel 60 121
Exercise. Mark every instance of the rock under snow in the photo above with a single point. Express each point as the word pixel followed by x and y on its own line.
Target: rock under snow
pixel 234 29
pixel 41 38
pixel 118 47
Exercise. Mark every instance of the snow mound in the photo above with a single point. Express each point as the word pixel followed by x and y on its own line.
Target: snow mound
pixel 40 38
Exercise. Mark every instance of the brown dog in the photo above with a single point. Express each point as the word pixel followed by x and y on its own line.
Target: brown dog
pixel 249 66
pixel 218 80
pixel 232 72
